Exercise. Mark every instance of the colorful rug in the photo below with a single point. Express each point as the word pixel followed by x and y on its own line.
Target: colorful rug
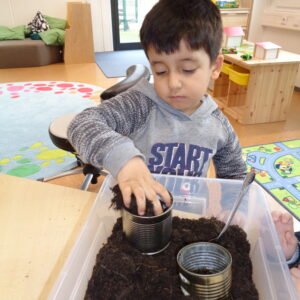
pixel 277 168
pixel 27 108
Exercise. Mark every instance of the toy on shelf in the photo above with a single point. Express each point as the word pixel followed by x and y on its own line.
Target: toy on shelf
pixel 246 56
pixel 233 36
pixel 266 50
pixel 229 51
pixel 246 48
pixel 227 4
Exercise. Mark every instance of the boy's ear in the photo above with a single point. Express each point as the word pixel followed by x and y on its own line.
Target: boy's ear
pixel 217 66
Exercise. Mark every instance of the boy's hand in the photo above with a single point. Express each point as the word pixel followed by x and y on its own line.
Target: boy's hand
pixel 135 178
pixel 285 229
pixel 295 273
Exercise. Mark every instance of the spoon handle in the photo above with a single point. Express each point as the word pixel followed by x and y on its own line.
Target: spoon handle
pixel 247 181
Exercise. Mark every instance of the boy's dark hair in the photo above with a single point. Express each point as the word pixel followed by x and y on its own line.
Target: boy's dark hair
pixel 198 22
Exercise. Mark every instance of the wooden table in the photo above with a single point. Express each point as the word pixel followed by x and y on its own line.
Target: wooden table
pixel 39 223
pixel 269 91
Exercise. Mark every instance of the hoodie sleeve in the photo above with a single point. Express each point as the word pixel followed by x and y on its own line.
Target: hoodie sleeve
pixel 100 134
pixel 228 160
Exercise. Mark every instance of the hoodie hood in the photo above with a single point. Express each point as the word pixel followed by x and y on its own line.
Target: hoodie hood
pixel 204 110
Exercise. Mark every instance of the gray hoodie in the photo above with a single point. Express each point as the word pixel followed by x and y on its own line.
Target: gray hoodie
pixel 139 123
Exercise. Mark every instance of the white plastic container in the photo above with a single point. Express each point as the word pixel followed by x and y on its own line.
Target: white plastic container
pixel 200 196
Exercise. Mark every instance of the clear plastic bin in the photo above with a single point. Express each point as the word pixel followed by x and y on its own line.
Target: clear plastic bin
pixel 192 197
pixel 238 84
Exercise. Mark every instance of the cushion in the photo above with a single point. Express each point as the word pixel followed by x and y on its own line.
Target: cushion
pixel 35 36
pixel 27 31
pixel 16 33
pixel 54 37
pixel 56 23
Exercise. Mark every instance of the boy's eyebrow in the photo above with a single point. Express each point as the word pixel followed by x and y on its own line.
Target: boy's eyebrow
pixel 155 62
pixel 188 59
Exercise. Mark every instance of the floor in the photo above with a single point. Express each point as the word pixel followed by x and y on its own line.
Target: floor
pixel 90 73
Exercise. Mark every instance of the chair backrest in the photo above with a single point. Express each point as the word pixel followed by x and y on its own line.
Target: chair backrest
pixel 58 127
pixel 133 74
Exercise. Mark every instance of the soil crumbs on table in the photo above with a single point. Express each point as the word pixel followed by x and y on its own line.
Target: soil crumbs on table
pixel 122 272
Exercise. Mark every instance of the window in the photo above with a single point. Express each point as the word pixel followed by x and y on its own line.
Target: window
pixel 127 18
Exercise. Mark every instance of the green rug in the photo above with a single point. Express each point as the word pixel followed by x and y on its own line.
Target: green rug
pixel 277 168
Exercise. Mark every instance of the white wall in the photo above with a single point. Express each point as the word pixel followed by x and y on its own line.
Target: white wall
pixel 288 39
pixel 21 12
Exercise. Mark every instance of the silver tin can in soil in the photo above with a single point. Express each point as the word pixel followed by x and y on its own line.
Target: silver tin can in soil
pixel 205 271
pixel 150 235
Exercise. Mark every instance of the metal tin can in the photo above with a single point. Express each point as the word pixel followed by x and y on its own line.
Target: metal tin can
pixel 205 271
pixel 150 235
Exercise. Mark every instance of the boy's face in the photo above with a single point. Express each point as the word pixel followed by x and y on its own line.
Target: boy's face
pixel 181 78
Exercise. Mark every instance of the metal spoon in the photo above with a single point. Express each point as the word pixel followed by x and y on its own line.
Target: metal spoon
pixel 247 181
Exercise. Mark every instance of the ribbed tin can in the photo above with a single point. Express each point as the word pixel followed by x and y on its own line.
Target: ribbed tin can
pixel 150 235
pixel 205 271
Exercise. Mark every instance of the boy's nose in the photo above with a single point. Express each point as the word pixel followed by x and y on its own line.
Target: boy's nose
pixel 174 82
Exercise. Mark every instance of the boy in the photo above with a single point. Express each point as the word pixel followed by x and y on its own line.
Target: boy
pixel 173 127
pixel 290 244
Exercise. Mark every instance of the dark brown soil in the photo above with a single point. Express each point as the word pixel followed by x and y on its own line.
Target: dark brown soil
pixel 122 272
pixel 204 271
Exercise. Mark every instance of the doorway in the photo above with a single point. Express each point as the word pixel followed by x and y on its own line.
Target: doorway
pixel 127 19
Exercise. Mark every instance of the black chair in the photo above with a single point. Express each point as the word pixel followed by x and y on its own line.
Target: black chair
pixel 58 127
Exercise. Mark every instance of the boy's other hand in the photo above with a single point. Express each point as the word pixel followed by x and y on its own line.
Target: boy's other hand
pixel 135 178
pixel 295 273
pixel 285 229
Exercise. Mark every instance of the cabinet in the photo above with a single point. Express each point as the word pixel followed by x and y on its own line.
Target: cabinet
pixel 257 91
pixel 238 16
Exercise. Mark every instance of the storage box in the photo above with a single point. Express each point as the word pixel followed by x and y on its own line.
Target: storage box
pixel 239 75
pixel 226 67
pixel 238 81
pixel 192 197
pixel 231 85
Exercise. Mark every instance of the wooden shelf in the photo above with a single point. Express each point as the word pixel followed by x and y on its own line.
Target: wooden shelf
pixel 235 10
pixel 267 96
pixel 238 16
pixel 235 111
